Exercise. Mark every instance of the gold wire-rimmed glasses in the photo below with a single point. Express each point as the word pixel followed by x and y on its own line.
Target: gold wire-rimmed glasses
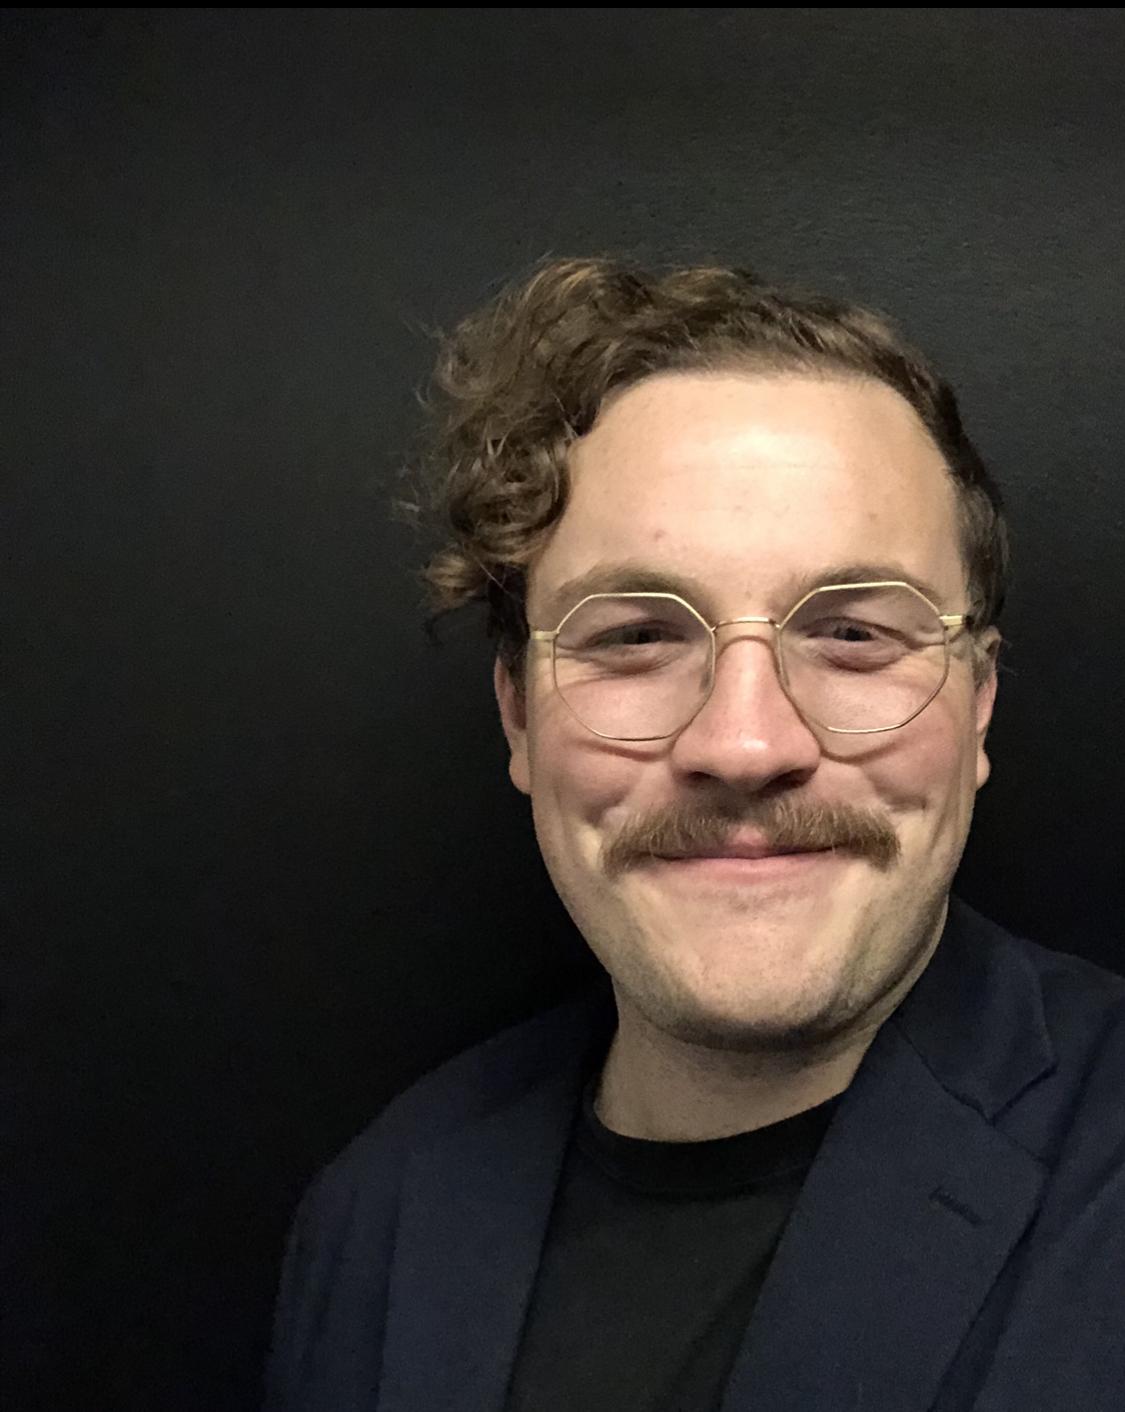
pixel 889 669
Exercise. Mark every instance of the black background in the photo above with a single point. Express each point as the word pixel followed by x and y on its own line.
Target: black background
pixel 262 865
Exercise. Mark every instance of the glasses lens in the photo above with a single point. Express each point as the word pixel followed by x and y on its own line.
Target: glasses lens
pixel 864 659
pixel 638 666
pixel 633 667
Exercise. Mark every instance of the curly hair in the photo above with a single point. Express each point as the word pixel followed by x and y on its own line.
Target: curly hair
pixel 519 380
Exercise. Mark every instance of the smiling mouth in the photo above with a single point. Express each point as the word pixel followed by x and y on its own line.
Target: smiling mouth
pixel 748 854
pixel 739 869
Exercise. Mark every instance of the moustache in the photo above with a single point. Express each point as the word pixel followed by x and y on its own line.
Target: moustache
pixel 685 830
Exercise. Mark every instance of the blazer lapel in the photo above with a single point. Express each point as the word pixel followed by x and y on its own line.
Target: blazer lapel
pixel 475 1209
pixel 915 1200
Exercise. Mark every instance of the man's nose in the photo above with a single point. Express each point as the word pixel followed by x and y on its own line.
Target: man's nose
pixel 747 732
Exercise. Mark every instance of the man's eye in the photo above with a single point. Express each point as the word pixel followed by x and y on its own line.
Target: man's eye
pixel 637 635
pixel 848 630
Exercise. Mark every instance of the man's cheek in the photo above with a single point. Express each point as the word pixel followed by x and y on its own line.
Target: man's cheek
pixel 582 798
pixel 924 764
pixel 583 774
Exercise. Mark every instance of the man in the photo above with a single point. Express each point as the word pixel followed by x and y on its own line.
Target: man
pixel 827 1138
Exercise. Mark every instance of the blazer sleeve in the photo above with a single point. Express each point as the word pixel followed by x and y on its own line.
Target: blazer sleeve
pixel 294 1316
pixel 327 1335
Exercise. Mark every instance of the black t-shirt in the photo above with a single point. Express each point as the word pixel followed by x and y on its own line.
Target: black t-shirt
pixel 653 1260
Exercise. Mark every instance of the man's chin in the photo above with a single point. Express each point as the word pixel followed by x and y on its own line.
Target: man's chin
pixel 767 1035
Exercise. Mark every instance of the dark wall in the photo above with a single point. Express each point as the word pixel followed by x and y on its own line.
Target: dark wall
pixel 262 865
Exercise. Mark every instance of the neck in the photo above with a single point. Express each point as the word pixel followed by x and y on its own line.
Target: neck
pixel 666 1091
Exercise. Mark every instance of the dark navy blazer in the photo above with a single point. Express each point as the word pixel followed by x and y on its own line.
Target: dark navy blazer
pixel 959 1242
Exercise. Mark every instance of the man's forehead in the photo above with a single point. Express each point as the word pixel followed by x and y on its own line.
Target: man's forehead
pixel 781 414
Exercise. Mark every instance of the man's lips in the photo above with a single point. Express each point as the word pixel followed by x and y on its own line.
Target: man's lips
pixel 740 867
pixel 747 857
pixel 738 853
pixel 744 848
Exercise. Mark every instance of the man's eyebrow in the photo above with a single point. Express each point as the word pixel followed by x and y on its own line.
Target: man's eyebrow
pixel 634 576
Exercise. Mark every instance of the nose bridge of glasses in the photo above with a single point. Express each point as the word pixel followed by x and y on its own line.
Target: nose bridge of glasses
pixel 726 622
pixel 772 641
pixel 735 637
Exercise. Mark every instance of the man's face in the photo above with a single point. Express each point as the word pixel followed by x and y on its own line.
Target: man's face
pixel 745 484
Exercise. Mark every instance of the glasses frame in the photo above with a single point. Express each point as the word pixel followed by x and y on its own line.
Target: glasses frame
pixel 948 621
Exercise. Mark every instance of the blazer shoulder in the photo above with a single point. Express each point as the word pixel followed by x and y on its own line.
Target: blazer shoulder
pixel 1075 989
pixel 466 1087
pixel 1074 1117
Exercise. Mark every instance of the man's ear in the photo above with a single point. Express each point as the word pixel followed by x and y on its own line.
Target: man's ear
pixel 513 717
pixel 989 649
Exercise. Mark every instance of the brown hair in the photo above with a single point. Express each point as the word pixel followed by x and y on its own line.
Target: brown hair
pixel 519 380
